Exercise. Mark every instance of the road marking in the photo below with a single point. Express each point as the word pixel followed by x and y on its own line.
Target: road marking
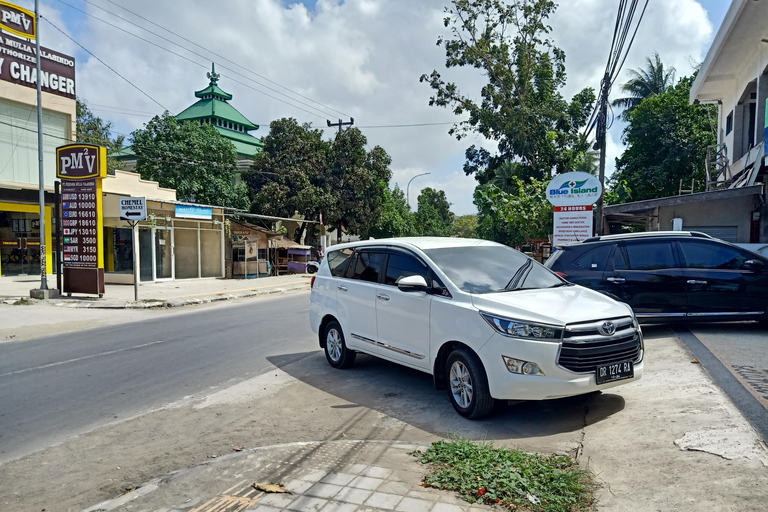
pixel 49 365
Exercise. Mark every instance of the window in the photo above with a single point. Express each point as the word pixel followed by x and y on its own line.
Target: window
pixel 729 123
pixel 403 265
pixel 650 256
pixel 711 256
pixel 368 266
pixel 338 261
pixel 595 259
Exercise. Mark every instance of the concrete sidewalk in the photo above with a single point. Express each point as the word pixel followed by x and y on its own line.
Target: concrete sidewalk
pixel 161 294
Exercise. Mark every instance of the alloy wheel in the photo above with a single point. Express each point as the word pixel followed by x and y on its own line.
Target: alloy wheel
pixel 461 384
pixel 333 344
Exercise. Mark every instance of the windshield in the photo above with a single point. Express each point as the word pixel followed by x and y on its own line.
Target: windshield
pixel 492 268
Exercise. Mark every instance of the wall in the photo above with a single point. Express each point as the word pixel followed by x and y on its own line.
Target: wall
pixel 725 212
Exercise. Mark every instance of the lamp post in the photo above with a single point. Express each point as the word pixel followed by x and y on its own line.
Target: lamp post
pixel 407 196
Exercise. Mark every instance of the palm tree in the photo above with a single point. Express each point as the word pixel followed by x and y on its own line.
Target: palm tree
pixel 645 83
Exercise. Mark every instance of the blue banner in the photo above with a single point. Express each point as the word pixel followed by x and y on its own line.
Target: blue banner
pixel 194 212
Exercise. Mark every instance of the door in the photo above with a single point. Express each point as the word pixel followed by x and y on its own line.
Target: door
pixel 403 318
pixel 163 246
pixel 646 276
pixel 716 281
pixel 356 296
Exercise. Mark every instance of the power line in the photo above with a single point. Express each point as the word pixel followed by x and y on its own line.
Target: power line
pixel 105 64
pixel 408 125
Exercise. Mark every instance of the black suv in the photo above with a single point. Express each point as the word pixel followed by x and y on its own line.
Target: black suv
pixel 667 276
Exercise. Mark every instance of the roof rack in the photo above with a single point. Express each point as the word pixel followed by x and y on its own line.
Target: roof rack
pixel 647 234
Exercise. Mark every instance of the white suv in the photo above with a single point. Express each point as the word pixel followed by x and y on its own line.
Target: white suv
pixel 487 322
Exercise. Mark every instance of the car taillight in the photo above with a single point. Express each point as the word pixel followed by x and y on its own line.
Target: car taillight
pixel 562 274
pixel 312 281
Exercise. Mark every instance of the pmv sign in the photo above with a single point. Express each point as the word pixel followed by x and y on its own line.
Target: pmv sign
pixel 81 161
pixel 17 20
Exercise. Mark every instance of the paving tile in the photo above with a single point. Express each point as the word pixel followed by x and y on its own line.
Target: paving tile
pixel 307 504
pixel 264 508
pixel 423 495
pixel 314 475
pixel 414 505
pixel 276 500
pixel 376 472
pixel 339 507
pixel 353 495
pixel 383 500
pixel 355 469
pixel 298 486
pixel 395 488
pixel 338 478
pixel 447 507
pixel 366 482
pixel 321 490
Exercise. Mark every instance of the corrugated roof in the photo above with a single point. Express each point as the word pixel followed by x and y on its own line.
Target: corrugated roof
pixel 213 108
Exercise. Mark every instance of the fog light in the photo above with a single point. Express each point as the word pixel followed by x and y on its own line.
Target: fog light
pixel 522 367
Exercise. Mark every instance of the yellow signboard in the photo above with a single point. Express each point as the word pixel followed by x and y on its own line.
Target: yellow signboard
pixel 17 20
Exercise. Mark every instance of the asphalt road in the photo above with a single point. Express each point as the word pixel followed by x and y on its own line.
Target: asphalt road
pixel 56 387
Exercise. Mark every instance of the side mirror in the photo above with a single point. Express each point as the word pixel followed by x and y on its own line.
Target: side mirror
pixel 755 265
pixel 412 284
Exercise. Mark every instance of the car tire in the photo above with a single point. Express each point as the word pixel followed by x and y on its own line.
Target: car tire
pixel 336 351
pixel 467 384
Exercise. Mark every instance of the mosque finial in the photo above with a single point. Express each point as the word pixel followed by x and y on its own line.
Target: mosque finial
pixel 213 76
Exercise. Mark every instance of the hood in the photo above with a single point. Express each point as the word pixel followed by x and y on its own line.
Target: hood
pixel 556 306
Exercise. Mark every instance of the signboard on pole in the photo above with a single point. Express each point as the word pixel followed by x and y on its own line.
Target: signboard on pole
pixel 572 195
pixel 81 168
pixel 17 20
pixel 133 208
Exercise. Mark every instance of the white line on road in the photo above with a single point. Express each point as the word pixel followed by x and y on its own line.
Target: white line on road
pixel 80 359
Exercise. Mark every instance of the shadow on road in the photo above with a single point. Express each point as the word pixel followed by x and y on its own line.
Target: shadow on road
pixel 409 396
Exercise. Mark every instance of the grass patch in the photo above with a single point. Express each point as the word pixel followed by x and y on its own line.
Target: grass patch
pixel 22 302
pixel 513 479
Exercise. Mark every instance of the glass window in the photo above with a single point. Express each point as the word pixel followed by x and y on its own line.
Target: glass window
pixel 711 256
pixel 492 268
pixel 338 261
pixel 619 262
pixel 595 259
pixel 368 266
pixel 402 265
pixel 650 256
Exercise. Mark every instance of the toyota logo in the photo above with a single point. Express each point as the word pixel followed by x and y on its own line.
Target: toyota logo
pixel 607 328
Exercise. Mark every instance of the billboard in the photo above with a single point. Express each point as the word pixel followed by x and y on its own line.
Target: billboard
pixel 574 189
pixel 18 66
pixel 17 20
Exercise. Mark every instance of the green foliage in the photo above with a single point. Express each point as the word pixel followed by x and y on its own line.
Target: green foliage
pixel 521 108
pixel 396 218
pixel 655 79
pixel 299 171
pixel 514 219
pixel 194 159
pixel 465 226
pixel 667 141
pixel 434 216
pixel 92 129
pixel 511 478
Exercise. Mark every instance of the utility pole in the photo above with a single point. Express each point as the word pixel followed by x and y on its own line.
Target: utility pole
pixel 341 123
pixel 41 174
pixel 601 135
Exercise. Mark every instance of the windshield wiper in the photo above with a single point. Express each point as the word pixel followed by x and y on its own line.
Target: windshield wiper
pixel 517 279
pixel 564 283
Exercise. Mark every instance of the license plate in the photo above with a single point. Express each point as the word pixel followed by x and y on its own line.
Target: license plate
pixel 615 371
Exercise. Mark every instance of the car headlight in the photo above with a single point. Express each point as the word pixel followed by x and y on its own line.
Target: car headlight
pixel 524 330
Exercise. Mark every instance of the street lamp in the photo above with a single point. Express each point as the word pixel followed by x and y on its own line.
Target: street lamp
pixel 407 197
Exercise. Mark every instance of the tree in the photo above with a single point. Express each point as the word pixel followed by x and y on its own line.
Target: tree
pixel 521 108
pixel 396 218
pixel 666 141
pixel 655 79
pixel 465 226
pixel 514 219
pixel 194 159
pixel 434 216
pixel 92 129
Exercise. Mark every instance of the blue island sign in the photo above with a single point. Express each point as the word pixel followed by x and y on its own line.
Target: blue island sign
pixel 193 212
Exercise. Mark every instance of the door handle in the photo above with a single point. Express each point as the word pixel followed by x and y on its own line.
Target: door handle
pixel 616 280
pixel 695 281
pixel 382 296
pixel 342 288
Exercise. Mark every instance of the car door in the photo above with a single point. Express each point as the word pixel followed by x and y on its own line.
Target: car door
pixel 647 276
pixel 717 283
pixel 403 317
pixel 356 295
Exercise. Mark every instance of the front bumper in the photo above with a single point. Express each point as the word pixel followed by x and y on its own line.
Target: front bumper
pixel 557 382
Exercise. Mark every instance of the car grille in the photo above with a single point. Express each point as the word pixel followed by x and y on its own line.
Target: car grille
pixel 584 347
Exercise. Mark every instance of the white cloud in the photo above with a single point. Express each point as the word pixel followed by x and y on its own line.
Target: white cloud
pixel 361 57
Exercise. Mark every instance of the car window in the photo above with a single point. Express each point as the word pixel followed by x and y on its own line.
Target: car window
pixel 595 259
pixel 368 266
pixel 619 261
pixel 403 265
pixel 492 268
pixel 711 256
pixel 650 255
pixel 338 261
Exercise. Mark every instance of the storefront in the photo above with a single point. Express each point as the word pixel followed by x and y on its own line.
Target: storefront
pixel 20 239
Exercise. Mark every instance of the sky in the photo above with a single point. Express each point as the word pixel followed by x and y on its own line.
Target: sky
pixel 332 59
